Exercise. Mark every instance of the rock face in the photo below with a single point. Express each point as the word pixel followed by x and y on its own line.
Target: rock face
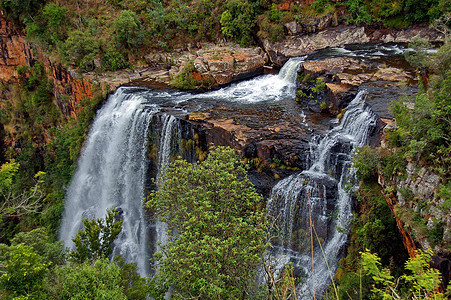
pixel 15 51
pixel 343 76
pixel 214 65
pixel 301 43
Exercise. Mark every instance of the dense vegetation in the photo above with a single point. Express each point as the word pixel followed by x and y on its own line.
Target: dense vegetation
pixel 112 34
pixel 219 228
pixel 40 147
pixel 421 136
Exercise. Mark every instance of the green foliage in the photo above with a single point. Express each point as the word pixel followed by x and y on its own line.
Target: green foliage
pixel 51 252
pixel 358 12
pixel 7 172
pixel 96 239
pixel 320 5
pixel 319 85
pixel 418 56
pixel 219 224
pixel 23 271
pixel 274 31
pixel 185 79
pixel 422 280
pixel 134 286
pixel 54 14
pixel 17 204
pixel 21 10
pixel 128 29
pixel 90 280
pixel 383 280
pixel 81 49
pixel 367 162
pixel 113 59
pixel 238 20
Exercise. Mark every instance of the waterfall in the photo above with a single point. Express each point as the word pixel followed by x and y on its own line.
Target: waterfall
pixel 263 88
pixel 166 141
pixel 111 172
pixel 318 194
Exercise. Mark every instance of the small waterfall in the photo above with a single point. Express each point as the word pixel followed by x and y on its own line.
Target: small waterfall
pixel 112 173
pixel 166 141
pixel 168 132
pixel 318 194
pixel 263 88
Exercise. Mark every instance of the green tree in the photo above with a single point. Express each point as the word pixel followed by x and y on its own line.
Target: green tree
pixel 23 271
pixel 219 227
pixel 238 20
pixel 51 251
pixel 21 9
pixel 422 280
pixel 96 239
pixel 98 280
pixel 81 49
pixel 16 204
pixel 128 28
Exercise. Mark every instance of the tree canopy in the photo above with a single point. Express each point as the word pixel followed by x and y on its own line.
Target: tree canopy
pixel 218 227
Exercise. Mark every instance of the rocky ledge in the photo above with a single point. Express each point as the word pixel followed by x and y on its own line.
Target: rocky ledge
pixel 328 85
pixel 303 43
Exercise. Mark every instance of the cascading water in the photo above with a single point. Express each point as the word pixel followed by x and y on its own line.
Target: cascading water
pixel 112 173
pixel 263 88
pixel 169 131
pixel 317 196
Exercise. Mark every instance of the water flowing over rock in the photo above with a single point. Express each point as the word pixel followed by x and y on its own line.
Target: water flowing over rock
pixel 315 201
pixel 303 44
pixel 260 117
pixel 112 173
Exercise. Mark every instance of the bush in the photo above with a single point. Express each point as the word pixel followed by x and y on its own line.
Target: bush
pixel 366 162
pixel 128 29
pixel 81 49
pixel 113 59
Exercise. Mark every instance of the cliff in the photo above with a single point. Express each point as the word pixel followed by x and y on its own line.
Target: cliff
pixel 15 51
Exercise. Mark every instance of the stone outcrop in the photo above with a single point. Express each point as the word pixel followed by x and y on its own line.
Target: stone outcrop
pixel 418 186
pixel 214 65
pixel 302 43
pixel 343 76
pixel 15 51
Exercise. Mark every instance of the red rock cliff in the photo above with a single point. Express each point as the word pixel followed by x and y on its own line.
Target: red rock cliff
pixel 16 51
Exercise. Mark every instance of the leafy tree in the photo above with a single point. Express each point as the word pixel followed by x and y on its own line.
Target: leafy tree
pixel 238 21
pixel 218 227
pixel 81 48
pixel 21 9
pixel 23 271
pixel 134 286
pixel 128 28
pixel 423 281
pixel 17 203
pixel 96 239
pixel 97 280
pixel 52 252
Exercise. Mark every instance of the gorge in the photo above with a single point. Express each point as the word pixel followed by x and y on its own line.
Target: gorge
pixel 139 130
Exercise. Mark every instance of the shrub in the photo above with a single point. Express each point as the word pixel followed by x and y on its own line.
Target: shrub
pixel 128 29
pixel 81 49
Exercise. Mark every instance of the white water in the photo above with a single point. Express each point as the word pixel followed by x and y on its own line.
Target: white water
pixel 112 168
pixel 263 88
pixel 111 173
pixel 307 195
pixel 166 139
